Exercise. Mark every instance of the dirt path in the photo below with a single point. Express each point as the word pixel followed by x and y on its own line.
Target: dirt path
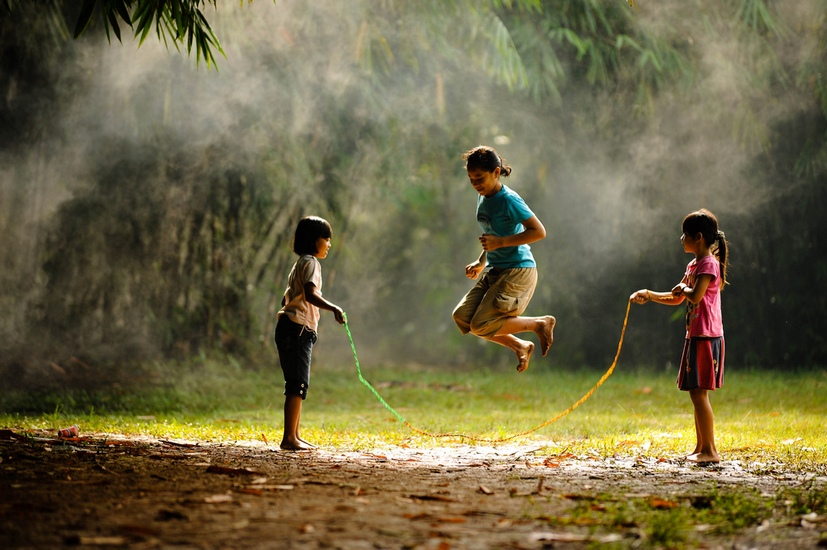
pixel 144 493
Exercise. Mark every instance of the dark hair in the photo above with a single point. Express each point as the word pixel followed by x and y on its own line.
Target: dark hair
pixel 704 222
pixel 486 158
pixel 308 231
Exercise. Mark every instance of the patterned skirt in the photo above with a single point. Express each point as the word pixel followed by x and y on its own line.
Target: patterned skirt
pixel 702 364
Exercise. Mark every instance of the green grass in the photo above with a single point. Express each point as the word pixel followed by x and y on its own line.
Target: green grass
pixel 769 419
pixel 771 422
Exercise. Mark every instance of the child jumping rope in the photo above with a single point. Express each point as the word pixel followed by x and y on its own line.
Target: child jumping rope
pixel 492 309
pixel 702 362
pixel 298 320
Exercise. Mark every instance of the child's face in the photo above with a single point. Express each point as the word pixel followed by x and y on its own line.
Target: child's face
pixel 322 247
pixel 690 243
pixel 485 183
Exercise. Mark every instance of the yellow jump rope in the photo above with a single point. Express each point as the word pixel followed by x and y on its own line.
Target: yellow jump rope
pixel 501 439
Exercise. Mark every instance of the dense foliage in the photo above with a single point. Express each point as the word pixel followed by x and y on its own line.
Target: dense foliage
pixel 148 206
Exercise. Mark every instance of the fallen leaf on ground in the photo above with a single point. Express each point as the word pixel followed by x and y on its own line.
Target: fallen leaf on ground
pixel 452 520
pixel 661 504
pixel 137 530
pixel 265 487
pixel 230 471
pixel 177 444
pixel 371 455
pixel 432 497
pixel 574 537
pixel 95 541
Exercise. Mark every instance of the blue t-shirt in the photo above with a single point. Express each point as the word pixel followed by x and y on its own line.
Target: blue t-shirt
pixel 502 215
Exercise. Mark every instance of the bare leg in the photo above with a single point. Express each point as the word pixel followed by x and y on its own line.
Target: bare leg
pixel 522 348
pixel 543 327
pixel 697 440
pixel 292 416
pixel 301 439
pixel 705 428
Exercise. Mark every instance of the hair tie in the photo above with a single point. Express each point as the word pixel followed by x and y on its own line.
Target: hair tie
pixel 720 236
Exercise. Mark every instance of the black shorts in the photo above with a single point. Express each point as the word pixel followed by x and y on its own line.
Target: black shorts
pixel 295 345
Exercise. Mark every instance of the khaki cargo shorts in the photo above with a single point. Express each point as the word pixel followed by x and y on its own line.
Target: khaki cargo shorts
pixel 499 294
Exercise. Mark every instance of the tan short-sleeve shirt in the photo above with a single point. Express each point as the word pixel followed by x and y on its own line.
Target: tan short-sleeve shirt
pixel 307 269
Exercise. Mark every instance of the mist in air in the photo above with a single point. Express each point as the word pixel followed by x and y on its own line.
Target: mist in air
pixel 142 176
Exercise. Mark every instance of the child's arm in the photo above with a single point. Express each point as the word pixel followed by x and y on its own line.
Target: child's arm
pixel 533 232
pixel 694 294
pixel 311 294
pixel 666 298
pixel 473 270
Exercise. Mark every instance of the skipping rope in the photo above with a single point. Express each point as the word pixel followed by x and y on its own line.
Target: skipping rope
pixel 500 439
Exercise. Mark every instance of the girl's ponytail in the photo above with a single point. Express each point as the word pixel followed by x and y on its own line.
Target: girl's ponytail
pixel 704 222
pixel 721 251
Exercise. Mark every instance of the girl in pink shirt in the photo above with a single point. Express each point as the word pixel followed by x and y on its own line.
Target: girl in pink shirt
pixel 702 361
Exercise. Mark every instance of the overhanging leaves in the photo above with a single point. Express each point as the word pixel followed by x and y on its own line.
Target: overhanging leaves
pixel 180 21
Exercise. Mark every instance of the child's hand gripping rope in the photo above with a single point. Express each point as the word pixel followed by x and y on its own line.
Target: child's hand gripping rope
pixel 505 438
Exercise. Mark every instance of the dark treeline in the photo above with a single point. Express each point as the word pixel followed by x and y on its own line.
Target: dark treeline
pixel 147 204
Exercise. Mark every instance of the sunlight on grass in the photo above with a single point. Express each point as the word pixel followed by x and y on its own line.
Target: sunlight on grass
pixel 762 418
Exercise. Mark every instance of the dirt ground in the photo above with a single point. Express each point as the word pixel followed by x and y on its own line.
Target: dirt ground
pixel 113 491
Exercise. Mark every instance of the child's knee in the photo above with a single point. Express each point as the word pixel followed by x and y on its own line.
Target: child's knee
pixel 483 328
pixel 462 323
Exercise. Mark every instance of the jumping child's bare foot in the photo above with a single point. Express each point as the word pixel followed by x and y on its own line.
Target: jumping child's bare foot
pixel 525 357
pixel 546 333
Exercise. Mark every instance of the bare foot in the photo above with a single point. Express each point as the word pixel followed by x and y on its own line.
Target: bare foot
pixel 546 333
pixel 525 357
pixel 704 458
pixel 295 445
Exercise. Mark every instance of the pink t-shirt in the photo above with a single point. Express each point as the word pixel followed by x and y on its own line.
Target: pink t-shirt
pixel 704 318
pixel 307 269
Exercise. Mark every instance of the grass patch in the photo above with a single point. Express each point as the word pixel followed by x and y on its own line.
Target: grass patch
pixel 676 523
pixel 766 419
pixel 769 422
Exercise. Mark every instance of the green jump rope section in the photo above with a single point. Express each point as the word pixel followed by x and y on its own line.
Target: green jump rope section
pixel 365 382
